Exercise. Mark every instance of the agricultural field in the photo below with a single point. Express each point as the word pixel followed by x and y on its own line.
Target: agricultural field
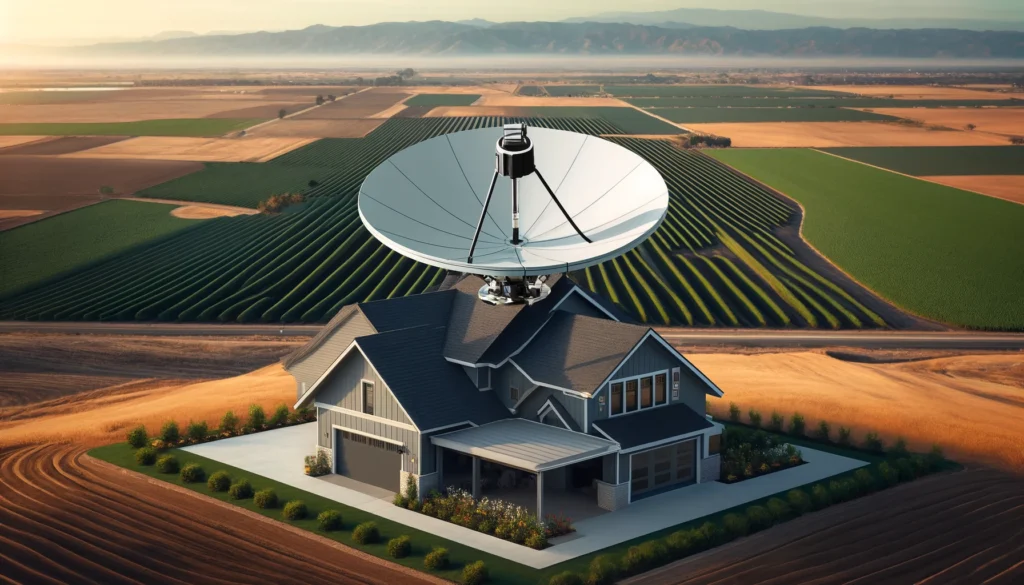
pixel 811 102
pixel 917 92
pixel 363 104
pixel 779 114
pixel 726 91
pixel 183 148
pixel 841 134
pixel 936 251
pixel 442 99
pixel 54 145
pixel 1004 122
pixel 530 90
pixel 627 120
pixel 238 184
pixel 572 90
pixel 171 127
pixel 921 161
pixel 33 254
pixel 340 128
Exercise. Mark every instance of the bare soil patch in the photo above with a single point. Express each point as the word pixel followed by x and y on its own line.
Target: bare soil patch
pixel 62 145
pixel 1008 187
pixel 130 111
pixel 535 101
pixel 360 105
pixel 266 111
pixel 41 176
pixel 998 121
pixel 457 111
pixel 8 213
pixel 961 527
pixel 9 141
pixel 392 111
pixel 917 92
pixel 182 148
pixel 306 128
pixel 203 212
pixel 833 134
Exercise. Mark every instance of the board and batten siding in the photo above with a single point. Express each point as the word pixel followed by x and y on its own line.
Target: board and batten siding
pixel 343 387
pixel 327 419
pixel 574 406
pixel 506 377
pixel 309 369
pixel 652 357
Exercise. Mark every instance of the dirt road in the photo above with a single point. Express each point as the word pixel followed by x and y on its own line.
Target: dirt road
pixel 963 527
pixel 67 519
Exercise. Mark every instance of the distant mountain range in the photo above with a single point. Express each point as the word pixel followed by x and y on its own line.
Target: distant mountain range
pixel 585 38
pixel 765 20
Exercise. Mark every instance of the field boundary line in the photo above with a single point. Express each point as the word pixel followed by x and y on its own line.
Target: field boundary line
pixel 244 210
pixel 800 234
pixel 303 111
pixel 667 121
pixel 269 521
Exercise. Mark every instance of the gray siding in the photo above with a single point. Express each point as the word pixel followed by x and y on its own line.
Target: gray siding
pixel 314 365
pixel 574 406
pixel 506 377
pixel 327 419
pixel 652 357
pixel 343 387
pixel 575 303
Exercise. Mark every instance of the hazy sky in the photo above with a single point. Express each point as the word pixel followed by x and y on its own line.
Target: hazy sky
pixel 27 20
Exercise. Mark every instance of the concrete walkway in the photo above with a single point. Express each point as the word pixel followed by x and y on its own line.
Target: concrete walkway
pixel 279 454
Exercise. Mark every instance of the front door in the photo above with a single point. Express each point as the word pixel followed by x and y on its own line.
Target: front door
pixel 662 468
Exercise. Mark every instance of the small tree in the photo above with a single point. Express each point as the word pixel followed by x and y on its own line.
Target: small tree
pixel 169 432
pixel 281 114
pixel 137 437
pixel 411 491
pixel 775 425
pixel 755 417
pixel 734 412
pixel 844 436
pixel 279 417
pixel 257 418
pixel 797 426
pixel 319 100
pixel 872 442
pixel 229 424
pixel 196 431
pixel 823 431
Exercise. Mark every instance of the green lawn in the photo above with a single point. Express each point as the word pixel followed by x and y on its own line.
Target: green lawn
pixel 714 115
pixel 176 127
pixel 941 160
pixel 936 251
pixel 38 251
pixel 240 184
pixel 441 99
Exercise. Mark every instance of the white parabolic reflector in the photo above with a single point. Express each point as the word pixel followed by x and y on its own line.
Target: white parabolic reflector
pixel 424 202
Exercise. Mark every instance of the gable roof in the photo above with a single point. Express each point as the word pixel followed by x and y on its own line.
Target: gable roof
pixel 556 405
pixel 526 323
pixel 313 344
pixel 576 352
pixel 474 325
pixel 433 391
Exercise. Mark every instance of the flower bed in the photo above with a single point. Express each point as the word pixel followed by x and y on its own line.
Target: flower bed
pixel 748 453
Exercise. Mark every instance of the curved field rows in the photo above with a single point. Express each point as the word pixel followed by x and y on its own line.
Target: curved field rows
pixel 66 519
pixel 963 527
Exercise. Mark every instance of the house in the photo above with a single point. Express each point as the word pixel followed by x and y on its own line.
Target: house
pixel 565 393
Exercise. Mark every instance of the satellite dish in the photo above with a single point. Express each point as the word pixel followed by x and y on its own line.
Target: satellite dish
pixel 513 206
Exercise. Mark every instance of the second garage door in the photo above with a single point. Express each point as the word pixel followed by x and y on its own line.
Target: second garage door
pixel 368 460
pixel 663 468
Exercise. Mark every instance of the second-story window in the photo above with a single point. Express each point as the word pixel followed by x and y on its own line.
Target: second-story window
pixel 616 399
pixel 631 402
pixel 368 397
pixel 646 392
pixel 661 389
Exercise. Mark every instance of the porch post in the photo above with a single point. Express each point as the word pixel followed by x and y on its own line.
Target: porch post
pixel 476 477
pixel 540 496
pixel 439 464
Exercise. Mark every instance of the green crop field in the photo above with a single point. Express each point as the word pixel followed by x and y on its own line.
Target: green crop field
pixel 716 91
pixel 530 90
pixel 573 90
pixel 627 120
pixel 441 99
pixel 176 127
pixel 241 184
pixel 809 102
pixel 37 252
pixel 714 115
pixel 939 252
pixel 940 160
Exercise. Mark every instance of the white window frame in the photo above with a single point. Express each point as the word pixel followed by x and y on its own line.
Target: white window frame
pixel 639 401
pixel 362 395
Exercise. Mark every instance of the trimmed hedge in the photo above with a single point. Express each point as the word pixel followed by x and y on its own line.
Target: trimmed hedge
pixel 604 570
pixel 192 473
pixel 366 533
pixel 294 510
pixel 167 464
pixel 220 481
pixel 145 456
pixel 437 559
pixel 265 499
pixel 329 520
pixel 240 490
pixel 475 573
pixel 400 547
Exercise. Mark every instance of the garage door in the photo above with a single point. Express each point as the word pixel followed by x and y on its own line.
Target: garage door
pixel 368 460
pixel 663 468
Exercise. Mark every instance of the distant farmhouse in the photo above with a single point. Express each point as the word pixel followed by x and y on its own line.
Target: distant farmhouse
pixel 565 396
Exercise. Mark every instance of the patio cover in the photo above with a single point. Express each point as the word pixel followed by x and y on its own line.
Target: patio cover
pixel 525 444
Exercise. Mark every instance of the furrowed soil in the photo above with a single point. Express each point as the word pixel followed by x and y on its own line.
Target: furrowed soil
pixel 1009 187
pixel 361 105
pixel 961 527
pixel 249 149
pixel 42 176
pixel 1003 122
pixel 62 145
pixel 297 128
pixel 12 141
pixel 832 134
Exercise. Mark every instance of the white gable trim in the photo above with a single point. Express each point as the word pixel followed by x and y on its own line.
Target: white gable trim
pixel 552 386
pixel 551 407
pixel 577 289
pixel 652 333
pixel 458 424
pixel 362 415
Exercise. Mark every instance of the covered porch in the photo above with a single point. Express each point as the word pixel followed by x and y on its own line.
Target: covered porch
pixel 527 463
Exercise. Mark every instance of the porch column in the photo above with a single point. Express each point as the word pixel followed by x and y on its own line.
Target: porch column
pixel 476 477
pixel 540 496
pixel 439 464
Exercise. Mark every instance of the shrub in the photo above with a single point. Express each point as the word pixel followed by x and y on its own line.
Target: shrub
pixel 240 490
pixel 399 547
pixel 145 456
pixel 137 437
pixel 776 422
pixel 797 425
pixel 865 481
pixel 779 509
pixel 899 448
pixel 758 518
pixel 905 469
pixel 192 473
pixel 636 560
pixel 219 482
pixel 294 510
pixel 436 559
pixel 839 491
pixel 257 418
pixel 755 417
pixel 734 412
pixel 265 499
pixel 411 491
pixel 822 434
pixel 682 543
pixel 711 534
pixel 475 573
pixel 603 571
pixel 279 417
pixel 820 496
pixel 197 431
pixel 537 541
pixel 844 437
pixel 167 464
pixel 888 475
pixel 318 464
pixel 872 442
pixel 566 578
pixel 799 501
pixel 366 533
pixel 736 525
pixel 169 432
pixel 229 424
pixel 399 500
pixel 935 458
pixel 485 526
pixel 329 520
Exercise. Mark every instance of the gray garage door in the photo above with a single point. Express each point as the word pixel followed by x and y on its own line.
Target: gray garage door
pixel 663 468
pixel 368 460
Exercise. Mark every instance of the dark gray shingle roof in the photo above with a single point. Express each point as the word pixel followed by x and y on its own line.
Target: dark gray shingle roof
pixel 577 352
pixel 433 391
pixel 425 310
pixel 321 336
pixel 653 424
pixel 474 325
pixel 526 323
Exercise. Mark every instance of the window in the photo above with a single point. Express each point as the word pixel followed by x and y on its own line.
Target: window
pixel 616 405
pixel 646 392
pixel 660 389
pixel 714 444
pixel 513 394
pixel 367 397
pixel 631 404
